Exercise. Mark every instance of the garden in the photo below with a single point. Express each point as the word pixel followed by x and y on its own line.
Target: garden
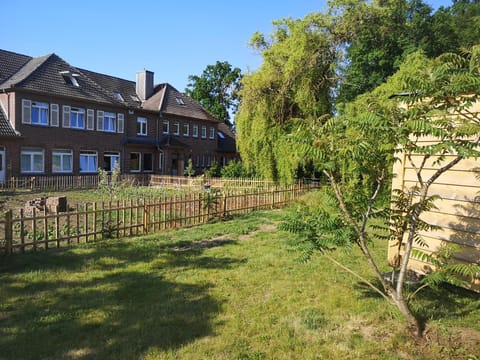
pixel 233 289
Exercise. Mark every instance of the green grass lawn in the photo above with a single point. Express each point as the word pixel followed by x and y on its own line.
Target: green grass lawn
pixel 230 290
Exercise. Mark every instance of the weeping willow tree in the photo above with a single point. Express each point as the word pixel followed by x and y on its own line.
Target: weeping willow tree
pixel 356 149
pixel 292 86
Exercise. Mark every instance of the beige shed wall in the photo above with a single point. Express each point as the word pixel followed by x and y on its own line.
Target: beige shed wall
pixel 457 213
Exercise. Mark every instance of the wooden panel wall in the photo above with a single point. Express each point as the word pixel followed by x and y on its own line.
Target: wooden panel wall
pixel 457 213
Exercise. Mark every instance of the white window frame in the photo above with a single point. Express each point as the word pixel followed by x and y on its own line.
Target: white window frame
pixel 166 127
pixel 176 128
pixel 100 114
pixel 90 119
pixel 26 111
pixel 139 162
pixel 62 154
pixel 195 131
pixel 41 107
pixel 66 116
pixel 186 129
pixel 77 114
pixel 109 122
pixel 212 133
pixel 54 115
pixel 141 126
pixel 113 155
pixel 120 123
pixel 204 132
pixel 32 154
pixel 91 156
pixel 161 161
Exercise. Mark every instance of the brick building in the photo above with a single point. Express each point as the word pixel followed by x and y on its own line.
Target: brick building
pixel 56 119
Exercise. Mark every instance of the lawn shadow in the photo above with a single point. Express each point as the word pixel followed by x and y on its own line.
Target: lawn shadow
pixel 115 302
pixel 118 316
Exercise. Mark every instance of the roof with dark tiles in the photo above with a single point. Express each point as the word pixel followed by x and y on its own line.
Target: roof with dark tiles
pixel 171 101
pixel 227 143
pixel 10 63
pixel 44 74
pixel 6 129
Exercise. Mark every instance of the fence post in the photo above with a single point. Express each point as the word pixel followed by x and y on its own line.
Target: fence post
pixel 146 217
pixel 9 232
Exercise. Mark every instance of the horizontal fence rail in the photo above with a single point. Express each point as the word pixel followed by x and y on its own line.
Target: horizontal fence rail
pixel 59 182
pixel 90 222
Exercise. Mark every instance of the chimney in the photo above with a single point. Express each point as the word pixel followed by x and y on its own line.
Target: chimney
pixel 144 84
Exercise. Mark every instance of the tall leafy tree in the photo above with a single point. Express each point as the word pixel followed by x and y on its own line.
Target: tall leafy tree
pixel 355 151
pixel 293 84
pixel 217 89
pixel 386 31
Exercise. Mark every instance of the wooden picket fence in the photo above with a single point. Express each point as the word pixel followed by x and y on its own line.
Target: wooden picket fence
pixel 97 221
pixel 59 182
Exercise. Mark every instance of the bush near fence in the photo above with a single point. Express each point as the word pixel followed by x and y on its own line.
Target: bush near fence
pixel 97 221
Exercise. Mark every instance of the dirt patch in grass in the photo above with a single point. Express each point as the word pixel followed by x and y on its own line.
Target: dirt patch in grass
pixel 264 228
pixel 205 244
pixel 225 239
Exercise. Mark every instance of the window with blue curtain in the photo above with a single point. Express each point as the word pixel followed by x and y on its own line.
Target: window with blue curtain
pixel 39 113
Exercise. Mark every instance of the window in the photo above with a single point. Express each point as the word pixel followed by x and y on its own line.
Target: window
pixel 54 114
pixel 204 132
pixel 161 160
pixel 147 162
pixel 39 113
pixel 176 128
pixel 118 96
pixel 221 135
pixel 109 161
pixel 109 122
pixel 88 161
pixel 135 165
pixel 212 133
pixel 166 127
pixel 195 131
pixel 141 126
pixel 62 161
pixel 90 119
pixel 69 78
pixel 77 117
pixel 186 129
pixel 180 101
pixel 31 161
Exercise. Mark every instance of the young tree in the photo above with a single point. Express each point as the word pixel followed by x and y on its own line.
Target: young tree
pixel 356 149
pixel 217 89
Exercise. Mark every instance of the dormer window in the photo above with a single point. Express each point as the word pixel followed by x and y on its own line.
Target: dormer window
pixel 118 96
pixel 70 78
pixel 180 101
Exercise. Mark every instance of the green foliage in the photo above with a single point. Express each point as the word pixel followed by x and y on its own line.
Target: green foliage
pixel 356 149
pixel 217 89
pixel 110 185
pixel 446 269
pixel 213 170
pixel 234 169
pixel 318 228
pixel 292 85
pixel 386 32
pixel 190 170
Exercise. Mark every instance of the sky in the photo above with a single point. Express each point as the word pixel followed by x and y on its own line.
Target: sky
pixel 174 39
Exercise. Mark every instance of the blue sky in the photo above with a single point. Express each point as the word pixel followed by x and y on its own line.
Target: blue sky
pixel 174 39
